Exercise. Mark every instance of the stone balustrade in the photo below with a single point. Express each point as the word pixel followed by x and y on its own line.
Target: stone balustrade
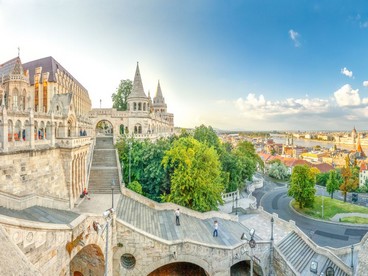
pixel 72 142
pixel 22 202
pixel 171 206
pixel 228 197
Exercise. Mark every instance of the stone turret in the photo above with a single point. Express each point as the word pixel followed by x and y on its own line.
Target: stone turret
pixel 159 105
pixel 137 100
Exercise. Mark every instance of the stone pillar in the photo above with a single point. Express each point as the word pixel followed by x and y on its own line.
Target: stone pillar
pixel 4 130
pixel 52 130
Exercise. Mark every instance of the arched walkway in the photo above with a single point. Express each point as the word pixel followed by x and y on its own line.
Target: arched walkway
pixel 179 269
pixel 243 268
pixel 104 128
pixel 89 261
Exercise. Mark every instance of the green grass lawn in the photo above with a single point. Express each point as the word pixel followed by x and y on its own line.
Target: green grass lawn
pixel 355 220
pixel 331 208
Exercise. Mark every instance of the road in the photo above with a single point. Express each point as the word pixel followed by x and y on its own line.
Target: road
pixel 274 199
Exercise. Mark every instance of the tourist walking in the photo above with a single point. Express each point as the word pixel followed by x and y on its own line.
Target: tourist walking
pixel 215 229
pixel 177 216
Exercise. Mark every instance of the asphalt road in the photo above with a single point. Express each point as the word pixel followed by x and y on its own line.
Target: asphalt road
pixel 275 200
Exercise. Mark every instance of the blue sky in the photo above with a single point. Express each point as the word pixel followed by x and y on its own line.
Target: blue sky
pixel 236 65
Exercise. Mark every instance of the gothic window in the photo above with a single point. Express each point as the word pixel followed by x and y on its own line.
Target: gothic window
pixel 44 90
pixel 144 106
pixel 122 129
pixel 139 106
pixel 134 106
pixel 36 85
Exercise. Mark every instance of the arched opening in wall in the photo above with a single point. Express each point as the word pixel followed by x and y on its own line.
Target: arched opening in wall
pixel 137 129
pixel 18 131
pixel 139 106
pixel 70 126
pixel 122 130
pixel 10 130
pixel 89 261
pixel 178 269
pixel 104 128
pixel 243 268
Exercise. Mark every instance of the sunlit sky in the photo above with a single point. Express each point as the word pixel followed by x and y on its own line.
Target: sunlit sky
pixel 234 65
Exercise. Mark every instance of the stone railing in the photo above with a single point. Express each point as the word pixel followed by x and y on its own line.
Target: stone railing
pixel 171 206
pixel 22 202
pixel 229 197
pixel 72 142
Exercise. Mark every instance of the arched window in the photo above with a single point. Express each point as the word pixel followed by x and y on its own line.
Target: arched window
pixel 139 106
pixel 134 106
pixel 122 128
pixel 144 106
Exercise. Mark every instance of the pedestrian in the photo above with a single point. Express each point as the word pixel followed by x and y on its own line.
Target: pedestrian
pixel 85 193
pixel 215 227
pixel 177 216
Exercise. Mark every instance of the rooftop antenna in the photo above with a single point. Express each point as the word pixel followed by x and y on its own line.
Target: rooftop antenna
pixel 18 51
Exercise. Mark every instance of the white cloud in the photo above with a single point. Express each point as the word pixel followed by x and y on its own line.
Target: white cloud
pixel 347 96
pixel 295 37
pixel 346 72
pixel 365 83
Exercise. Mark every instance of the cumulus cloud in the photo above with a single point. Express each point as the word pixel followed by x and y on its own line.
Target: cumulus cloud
pixel 295 38
pixel 259 108
pixel 365 83
pixel 346 72
pixel 347 96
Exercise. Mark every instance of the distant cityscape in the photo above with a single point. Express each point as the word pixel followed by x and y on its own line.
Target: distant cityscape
pixel 322 150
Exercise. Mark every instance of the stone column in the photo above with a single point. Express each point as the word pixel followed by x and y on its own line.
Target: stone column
pixel 52 130
pixel 4 130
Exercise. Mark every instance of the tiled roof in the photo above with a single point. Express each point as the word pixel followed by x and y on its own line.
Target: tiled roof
pixel 12 66
pixel 323 167
pixel 48 64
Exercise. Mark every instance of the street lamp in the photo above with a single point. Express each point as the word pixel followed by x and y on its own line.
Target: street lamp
pixel 236 204
pixel 352 258
pixel 252 244
pixel 108 217
pixel 112 193
pixel 130 156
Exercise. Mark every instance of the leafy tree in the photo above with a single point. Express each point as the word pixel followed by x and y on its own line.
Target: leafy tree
pixel 136 187
pixel 145 158
pixel 278 170
pixel 302 186
pixel 333 183
pixel 249 159
pixel 350 179
pixel 322 178
pixel 207 136
pixel 195 178
pixel 119 99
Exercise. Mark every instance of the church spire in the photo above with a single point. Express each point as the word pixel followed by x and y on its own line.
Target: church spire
pixel 137 89
pixel 158 91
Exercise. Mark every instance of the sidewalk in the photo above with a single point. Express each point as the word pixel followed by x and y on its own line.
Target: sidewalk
pixel 337 217
pixel 97 204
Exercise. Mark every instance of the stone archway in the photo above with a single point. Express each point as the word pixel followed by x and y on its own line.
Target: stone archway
pixel 104 128
pixel 89 261
pixel 179 269
pixel 243 268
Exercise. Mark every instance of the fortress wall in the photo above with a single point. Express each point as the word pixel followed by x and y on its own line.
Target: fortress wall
pixel 37 172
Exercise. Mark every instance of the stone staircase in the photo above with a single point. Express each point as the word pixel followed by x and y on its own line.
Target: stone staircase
pixel 299 255
pixel 104 167
pixel 161 223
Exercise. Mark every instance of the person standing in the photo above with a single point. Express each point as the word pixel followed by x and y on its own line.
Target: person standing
pixel 215 227
pixel 177 216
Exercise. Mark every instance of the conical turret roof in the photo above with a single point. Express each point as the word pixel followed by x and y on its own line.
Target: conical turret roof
pixel 159 100
pixel 137 89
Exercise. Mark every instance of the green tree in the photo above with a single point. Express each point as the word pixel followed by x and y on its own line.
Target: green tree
pixel 333 183
pixel 119 99
pixel 136 187
pixel 302 185
pixel 207 136
pixel 278 170
pixel 249 159
pixel 322 178
pixel 195 178
pixel 350 176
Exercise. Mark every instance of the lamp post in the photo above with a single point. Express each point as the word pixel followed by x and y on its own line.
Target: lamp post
pixel 112 193
pixel 323 193
pixel 252 244
pixel 130 156
pixel 352 259
pixel 236 204
pixel 108 217
pixel 271 246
